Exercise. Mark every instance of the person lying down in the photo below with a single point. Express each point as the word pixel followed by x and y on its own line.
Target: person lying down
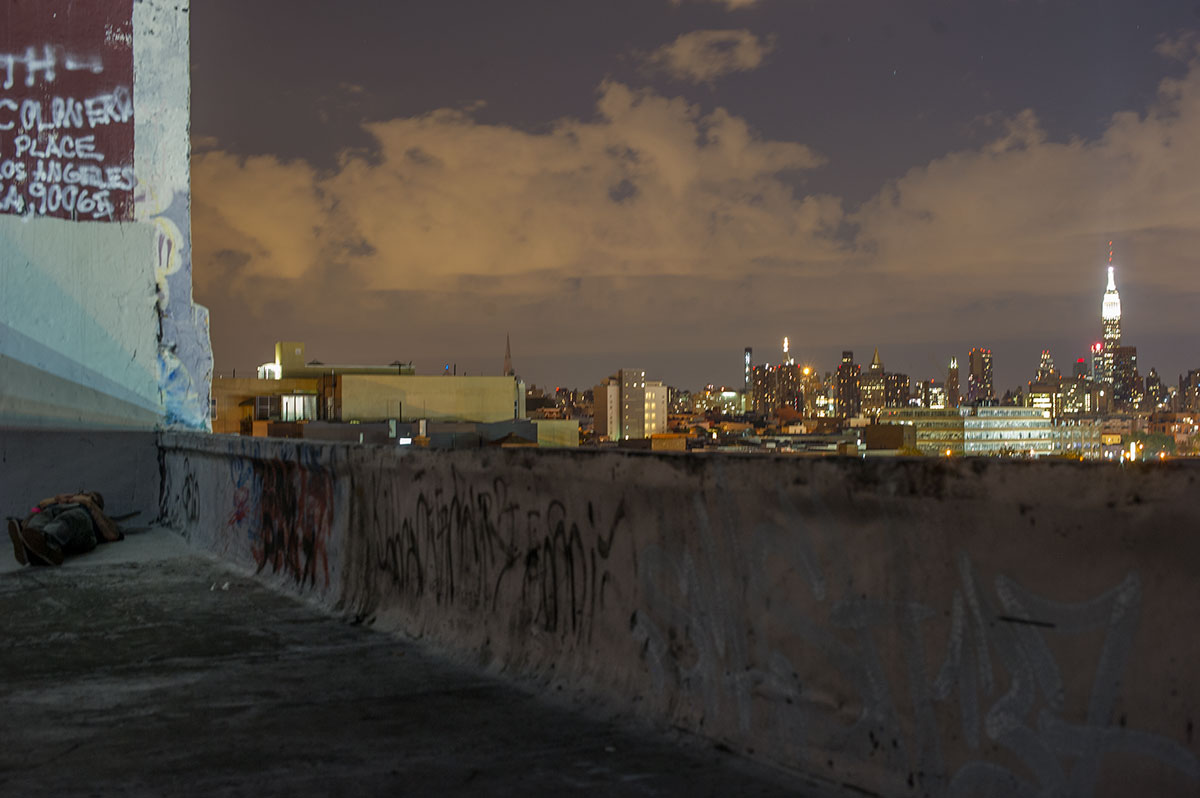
pixel 61 526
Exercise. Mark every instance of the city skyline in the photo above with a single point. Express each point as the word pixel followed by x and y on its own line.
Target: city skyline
pixel 658 185
pixel 1108 323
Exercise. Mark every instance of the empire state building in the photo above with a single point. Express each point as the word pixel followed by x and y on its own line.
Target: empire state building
pixel 1110 314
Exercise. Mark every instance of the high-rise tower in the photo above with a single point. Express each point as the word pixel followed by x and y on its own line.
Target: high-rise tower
pixel 953 398
pixel 746 362
pixel 1110 316
pixel 979 375
pixel 508 368
pixel 849 400
pixel 1046 370
pixel 872 387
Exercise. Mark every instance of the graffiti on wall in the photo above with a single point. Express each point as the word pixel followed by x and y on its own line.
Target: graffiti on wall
pixel 282 512
pixel 997 672
pixel 66 111
pixel 475 547
pixel 184 355
pixel 747 617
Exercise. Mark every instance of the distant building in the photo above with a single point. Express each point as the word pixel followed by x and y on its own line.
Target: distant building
pixel 1080 396
pixel 1046 371
pixel 815 395
pixel 1078 437
pixel 979 376
pixel 1156 392
pixel 289 364
pixel 1189 392
pixel 1045 395
pixel 719 400
pixel 980 431
pixel 1008 431
pixel 627 406
pixel 953 395
pixel 407 398
pixel 776 388
pixel 933 395
pixel 896 390
pixel 849 401
pixel 749 366
pixel 237 402
pixel 1097 365
pixel 1110 323
pixel 872 386
pixel 291 390
pixel 939 432
pixel 1127 388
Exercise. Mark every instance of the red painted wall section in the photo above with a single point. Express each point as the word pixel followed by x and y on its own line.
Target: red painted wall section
pixel 66 109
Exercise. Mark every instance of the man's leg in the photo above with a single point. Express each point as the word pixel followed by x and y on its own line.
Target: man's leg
pixel 59 531
pixel 37 547
pixel 14 532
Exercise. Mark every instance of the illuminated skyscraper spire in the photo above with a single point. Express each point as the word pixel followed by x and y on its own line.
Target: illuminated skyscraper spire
pixel 1110 318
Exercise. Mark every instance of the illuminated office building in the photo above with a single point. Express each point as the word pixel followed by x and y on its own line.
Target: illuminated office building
pixel 1110 318
pixel 1156 392
pixel 627 405
pixel 979 376
pixel 872 386
pixel 849 400
pixel 1046 370
pixel 1126 382
pixel 953 397
pixel 775 388
pixel 1008 431
pixel 933 395
pixel 896 390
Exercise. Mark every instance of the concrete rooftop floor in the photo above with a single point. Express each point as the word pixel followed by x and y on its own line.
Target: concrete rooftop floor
pixel 145 668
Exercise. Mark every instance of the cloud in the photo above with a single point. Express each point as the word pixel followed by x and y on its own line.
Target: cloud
pixel 705 55
pixel 658 225
pixel 652 186
pixel 205 143
pixel 1183 47
pixel 1034 210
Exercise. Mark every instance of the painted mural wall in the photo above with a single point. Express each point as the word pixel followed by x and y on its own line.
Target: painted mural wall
pixel 925 627
pixel 97 323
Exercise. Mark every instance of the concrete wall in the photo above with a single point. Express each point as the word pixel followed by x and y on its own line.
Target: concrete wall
pixel 557 433
pixel 916 627
pixel 38 463
pixel 97 325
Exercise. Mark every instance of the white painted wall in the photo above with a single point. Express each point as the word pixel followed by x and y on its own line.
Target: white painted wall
pixel 97 324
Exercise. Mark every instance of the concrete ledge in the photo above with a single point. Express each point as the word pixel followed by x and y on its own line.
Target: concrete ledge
pixel 914 627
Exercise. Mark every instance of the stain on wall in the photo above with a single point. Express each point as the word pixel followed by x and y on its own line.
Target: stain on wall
pixel 910 628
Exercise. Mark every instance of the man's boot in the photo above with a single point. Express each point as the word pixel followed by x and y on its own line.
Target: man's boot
pixel 14 532
pixel 41 551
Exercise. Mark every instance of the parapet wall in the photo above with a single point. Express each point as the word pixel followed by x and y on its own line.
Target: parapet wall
pixel 911 627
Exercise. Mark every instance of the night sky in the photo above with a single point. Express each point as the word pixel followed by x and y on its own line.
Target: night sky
pixel 661 183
